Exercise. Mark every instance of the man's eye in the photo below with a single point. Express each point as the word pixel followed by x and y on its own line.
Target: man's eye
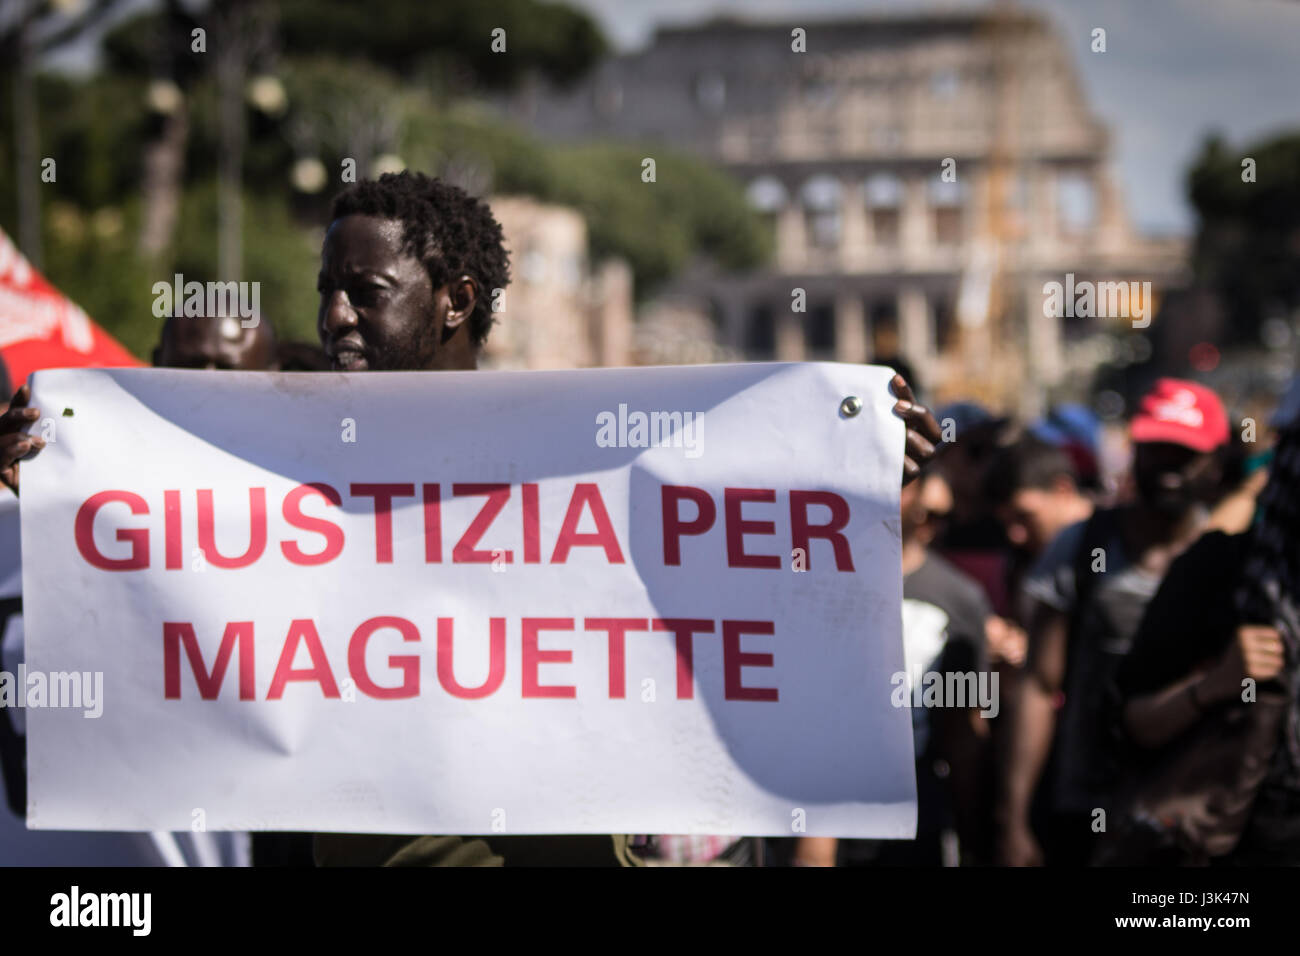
pixel 365 293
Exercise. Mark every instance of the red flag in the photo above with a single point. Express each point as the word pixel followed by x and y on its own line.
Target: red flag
pixel 41 328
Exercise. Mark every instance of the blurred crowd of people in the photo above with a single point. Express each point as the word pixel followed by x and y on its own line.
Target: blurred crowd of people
pixel 1139 611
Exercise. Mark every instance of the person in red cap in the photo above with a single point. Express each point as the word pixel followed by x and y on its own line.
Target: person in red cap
pixel 1088 592
pixel 1228 610
pixel 1181 413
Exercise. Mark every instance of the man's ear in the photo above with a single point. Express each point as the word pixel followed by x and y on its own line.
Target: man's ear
pixel 463 295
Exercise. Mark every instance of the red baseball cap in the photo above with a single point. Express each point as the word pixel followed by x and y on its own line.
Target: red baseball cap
pixel 1183 413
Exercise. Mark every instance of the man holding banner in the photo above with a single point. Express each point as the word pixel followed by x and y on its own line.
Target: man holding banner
pixel 708 682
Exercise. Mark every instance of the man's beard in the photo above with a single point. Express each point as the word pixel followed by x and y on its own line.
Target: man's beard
pixel 412 356
pixel 1171 502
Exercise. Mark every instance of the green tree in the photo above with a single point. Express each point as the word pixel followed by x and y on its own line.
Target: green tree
pixel 450 38
pixel 1247 247
pixel 345 100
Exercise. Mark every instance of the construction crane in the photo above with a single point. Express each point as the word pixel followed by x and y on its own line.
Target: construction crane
pixel 987 297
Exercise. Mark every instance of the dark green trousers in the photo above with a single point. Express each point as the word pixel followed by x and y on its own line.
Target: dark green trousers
pixel 373 849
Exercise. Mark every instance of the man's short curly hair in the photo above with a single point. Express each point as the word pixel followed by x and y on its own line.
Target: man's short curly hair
pixel 444 227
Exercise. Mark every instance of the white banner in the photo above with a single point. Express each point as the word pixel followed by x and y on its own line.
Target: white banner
pixel 656 600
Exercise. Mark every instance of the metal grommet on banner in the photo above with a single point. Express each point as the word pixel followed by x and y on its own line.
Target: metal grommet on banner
pixel 850 406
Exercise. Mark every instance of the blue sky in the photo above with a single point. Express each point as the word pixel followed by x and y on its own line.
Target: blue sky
pixel 1174 70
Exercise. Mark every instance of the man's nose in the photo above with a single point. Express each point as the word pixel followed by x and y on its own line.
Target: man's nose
pixel 338 313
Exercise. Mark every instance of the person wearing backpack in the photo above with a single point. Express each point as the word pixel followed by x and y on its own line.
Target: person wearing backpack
pixel 1209 697
pixel 1088 592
